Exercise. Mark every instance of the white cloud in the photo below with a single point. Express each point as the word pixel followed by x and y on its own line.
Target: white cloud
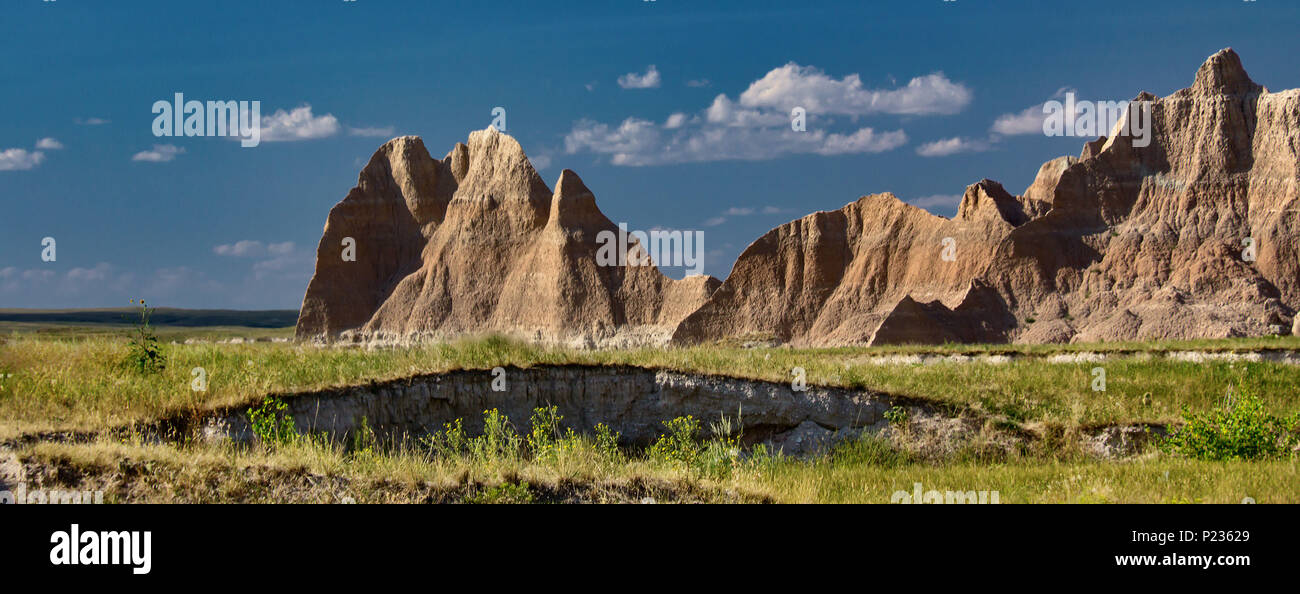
pixel 699 83
pixel 384 132
pixel 793 85
pixel 281 249
pixel 540 161
pixel 92 121
pixel 272 257
pixel 591 86
pixel 952 146
pixel 16 159
pixel 42 285
pixel 248 248
pixel 1028 121
pixel 638 142
pixel 725 112
pixel 49 144
pixel 757 126
pixel 632 80
pixel 741 211
pixel 279 262
pixel 160 153
pixel 298 124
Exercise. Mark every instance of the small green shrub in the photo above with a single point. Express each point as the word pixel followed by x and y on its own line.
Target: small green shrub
pixel 1240 429
pixel 607 444
pixel 144 352
pixel 450 442
pixel 364 441
pixel 499 440
pixel 679 446
pixel 271 425
pixel 545 436
pixel 897 417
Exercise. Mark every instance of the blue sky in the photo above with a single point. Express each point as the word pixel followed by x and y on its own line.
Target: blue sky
pixel 78 161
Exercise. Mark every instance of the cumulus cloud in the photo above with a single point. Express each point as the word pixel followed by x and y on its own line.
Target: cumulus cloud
pixel 16 159
pixel 49 144
pixel 273 280
pixel 952 146
pixel 298 124
pixel 251 248
pixel 637 142
pixel 793 85
pixel 1028 121
pixel 66 287
pixel 757 124
pixel 741 211
pixel 160 153
pixel 649 80
pixel 273 262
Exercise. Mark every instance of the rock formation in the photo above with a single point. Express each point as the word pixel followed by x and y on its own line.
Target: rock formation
pixel 1192 235
pixel 1124 243
pixel 474 244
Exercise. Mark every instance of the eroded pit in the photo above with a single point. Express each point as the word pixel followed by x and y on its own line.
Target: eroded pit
pixel 632 401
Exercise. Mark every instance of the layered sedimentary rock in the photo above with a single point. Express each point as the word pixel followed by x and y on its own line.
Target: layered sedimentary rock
pixel 835 277
pixel 477 243
pixel 1193 235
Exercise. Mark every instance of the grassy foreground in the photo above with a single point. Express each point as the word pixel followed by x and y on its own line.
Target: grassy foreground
pixel 864 472
pixel 76 381
pixel 82 383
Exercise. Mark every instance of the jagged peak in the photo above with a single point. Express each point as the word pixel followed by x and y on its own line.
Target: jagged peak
pixel 491 139
pixel 1222 73
pixel 498 167
pixel 985 194
pixel 573 203
pixel 401 145
pixel 570 186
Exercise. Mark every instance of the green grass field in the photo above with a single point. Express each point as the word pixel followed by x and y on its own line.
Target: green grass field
pixel 67 378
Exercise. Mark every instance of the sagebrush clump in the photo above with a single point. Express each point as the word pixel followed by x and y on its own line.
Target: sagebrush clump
pixel 1240 429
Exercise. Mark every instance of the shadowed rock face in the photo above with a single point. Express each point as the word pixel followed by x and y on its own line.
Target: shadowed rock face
pixel 477 243
pixel 1122 243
